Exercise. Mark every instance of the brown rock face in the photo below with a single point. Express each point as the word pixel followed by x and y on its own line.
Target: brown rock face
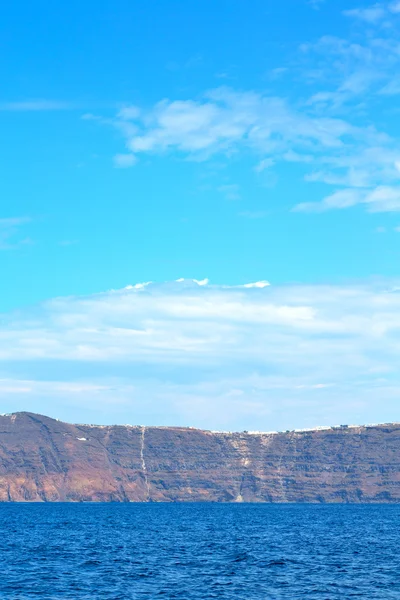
pixel 46 460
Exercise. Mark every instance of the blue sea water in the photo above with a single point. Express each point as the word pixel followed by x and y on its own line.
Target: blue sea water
pixel 199 551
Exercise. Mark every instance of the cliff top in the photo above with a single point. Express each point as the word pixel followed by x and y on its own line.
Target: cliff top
pixel 14 415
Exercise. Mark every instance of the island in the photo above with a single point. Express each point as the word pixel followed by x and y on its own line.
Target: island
pixel 46 460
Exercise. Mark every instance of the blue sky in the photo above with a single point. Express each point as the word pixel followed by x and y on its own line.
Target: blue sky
pixel 184 140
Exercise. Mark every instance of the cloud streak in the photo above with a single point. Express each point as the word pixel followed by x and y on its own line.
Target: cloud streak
pixel 10 237
pixel 381 199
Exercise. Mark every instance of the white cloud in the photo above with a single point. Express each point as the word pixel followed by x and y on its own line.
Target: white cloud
pixel 227 356
pixel 351 71
pixel 129 113
pixel 266 163
pixel 90 117
pixel 394 7
pixel 291 156
pixel 138 286
pixel 340 199
pixel 380 199
pixel 383 199
pixel 257 284
pixel 224 119
pixel 371 14
pixel 328 128
pixel 202 281
pixel 392 88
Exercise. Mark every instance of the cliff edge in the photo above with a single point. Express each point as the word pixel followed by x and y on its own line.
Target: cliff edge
pixel 45 460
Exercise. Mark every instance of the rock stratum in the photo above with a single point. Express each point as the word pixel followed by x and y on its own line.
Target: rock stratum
pixel 45 460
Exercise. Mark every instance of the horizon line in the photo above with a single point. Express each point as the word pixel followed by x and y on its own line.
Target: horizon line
pixel 212 431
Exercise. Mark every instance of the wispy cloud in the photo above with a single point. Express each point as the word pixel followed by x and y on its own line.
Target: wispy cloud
pixel 10 232
pixel 371 14
pixel 350 70
pixel 13 221
pixel 191 63
pixel 225 120
pixel 382 229
pixel 264 164
pixel 380 199
pixel 394 7
pixel 375 13
pixel 124 161
pixel 331 134
pixel 227 356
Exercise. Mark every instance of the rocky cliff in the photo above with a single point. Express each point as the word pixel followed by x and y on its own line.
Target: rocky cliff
pixel 42 459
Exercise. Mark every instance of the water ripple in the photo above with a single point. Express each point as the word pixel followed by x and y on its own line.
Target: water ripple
pixel 199 551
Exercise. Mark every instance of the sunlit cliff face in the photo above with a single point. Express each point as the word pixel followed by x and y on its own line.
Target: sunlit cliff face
pixel 47 460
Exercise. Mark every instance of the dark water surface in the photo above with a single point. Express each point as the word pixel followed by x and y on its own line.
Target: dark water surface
pixel 199 551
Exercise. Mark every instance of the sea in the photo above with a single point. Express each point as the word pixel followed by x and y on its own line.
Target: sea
pixel 199 551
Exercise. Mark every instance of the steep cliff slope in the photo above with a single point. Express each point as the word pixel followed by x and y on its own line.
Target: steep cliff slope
pixel 42 459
